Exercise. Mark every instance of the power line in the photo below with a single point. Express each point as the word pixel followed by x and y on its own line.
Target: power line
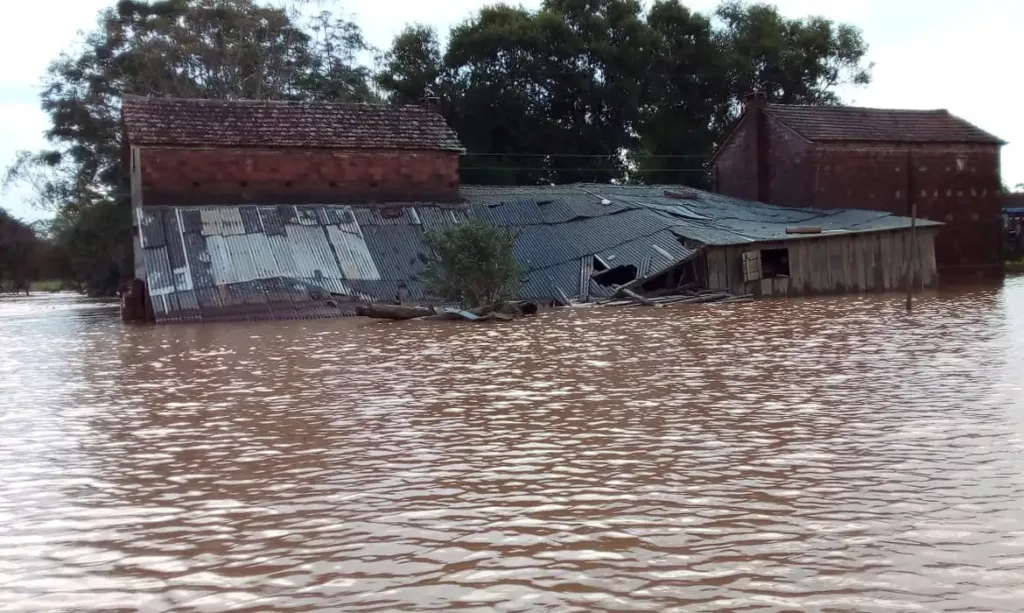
pixel 563 169
pixel 595 156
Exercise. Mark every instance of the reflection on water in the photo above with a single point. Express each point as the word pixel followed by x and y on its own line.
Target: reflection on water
pixel 823 455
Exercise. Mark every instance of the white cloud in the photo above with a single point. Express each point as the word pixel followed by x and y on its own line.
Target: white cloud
pixel 927 54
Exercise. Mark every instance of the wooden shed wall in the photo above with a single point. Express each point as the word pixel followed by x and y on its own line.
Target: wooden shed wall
pixel 850 263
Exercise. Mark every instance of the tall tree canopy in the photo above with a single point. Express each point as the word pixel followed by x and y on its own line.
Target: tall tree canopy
pixel 606 89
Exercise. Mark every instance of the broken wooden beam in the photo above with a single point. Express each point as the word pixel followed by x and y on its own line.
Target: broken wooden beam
pixel 393 312
pixel 803 230
pixel 628 293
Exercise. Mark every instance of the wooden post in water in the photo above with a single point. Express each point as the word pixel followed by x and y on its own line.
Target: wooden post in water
pixel 912 261
pixel 912 202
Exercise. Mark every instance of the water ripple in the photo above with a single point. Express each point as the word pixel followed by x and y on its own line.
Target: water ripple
pixel 818 455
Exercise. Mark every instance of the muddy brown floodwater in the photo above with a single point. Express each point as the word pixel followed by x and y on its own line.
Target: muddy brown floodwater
pixel 819 455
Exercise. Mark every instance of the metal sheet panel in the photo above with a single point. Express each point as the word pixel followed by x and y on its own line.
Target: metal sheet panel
pixel 264 264
pixel 221 266
pixel 307 215
pixel 231 221
pixel 270 218
pixel 241 258
pixel 288 214
pixel 398 251
pixel 211 221
pixel 159 278
pixel 311 252
pixel 434 218
pixel 175 241
pixel 199 261
pixel 151 228
pixel 191 220
pixel 281 249
pixel 251 219
pixel 352 253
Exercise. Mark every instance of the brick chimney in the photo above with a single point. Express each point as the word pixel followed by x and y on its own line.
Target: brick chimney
pixel 753 105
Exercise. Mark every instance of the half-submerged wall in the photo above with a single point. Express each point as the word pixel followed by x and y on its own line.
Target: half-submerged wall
pixel 850 263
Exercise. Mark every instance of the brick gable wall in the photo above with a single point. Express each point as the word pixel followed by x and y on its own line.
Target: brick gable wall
pixel 187 176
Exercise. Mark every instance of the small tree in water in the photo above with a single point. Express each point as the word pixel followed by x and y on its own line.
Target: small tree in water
pixel 473 264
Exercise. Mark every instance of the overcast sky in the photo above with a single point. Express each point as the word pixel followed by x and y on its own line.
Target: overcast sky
pixel 963 56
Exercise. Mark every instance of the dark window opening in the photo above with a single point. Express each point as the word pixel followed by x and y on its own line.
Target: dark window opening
pixel 681 278
pixel 774 263
pixel 620 275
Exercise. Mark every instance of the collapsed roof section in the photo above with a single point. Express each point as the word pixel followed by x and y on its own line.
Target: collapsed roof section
pixel 285 262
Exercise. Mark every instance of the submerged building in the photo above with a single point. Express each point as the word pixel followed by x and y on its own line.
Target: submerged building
pixel 278 210
pixel 880 159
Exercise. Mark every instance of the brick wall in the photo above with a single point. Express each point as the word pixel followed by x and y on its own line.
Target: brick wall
pixel 735 170
pixel 966 199
pixel 789 170
pixel 178 176
pixel 788 181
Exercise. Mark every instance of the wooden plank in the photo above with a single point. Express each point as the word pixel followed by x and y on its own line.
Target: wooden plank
pixel 850 263
pixel 833 261
pixel 863 252
pixel 885 260
pixel 823 281
pixel 766 287
pixel 927 253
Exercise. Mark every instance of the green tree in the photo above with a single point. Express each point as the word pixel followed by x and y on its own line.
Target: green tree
pixel 412 67
pixel 603 89
pixel 187 48
pixel 19 252
pixel 473 264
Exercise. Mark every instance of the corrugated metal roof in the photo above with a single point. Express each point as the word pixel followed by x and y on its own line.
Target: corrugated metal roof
pixel 285 261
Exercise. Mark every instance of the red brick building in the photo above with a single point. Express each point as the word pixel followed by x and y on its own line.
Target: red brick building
pixel 221 152
pixel 886 160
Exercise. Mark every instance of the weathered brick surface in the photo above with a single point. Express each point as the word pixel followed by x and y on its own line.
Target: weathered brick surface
pixel 891 178
pixel 173 176
pixel 735 170
pixel 957 184
pixel 788 170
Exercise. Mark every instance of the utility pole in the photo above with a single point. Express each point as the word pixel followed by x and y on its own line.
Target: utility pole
pixel 912 259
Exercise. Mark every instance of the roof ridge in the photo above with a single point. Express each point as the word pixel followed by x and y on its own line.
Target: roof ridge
pixel 852 107
pixel 268 101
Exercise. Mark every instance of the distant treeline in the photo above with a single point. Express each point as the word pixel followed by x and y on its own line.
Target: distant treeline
pixel 580 90
pixel 27 255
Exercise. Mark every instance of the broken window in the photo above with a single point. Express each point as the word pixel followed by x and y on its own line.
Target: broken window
pixel 774 263
pixel 765 264
pixel 620 275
